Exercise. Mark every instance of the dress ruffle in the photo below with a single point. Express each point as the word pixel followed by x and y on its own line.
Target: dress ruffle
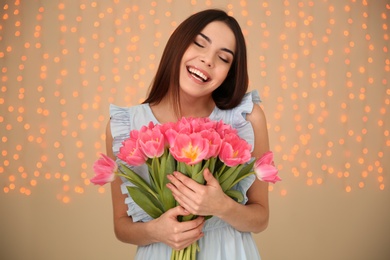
pixel 120 126
pixel 120 130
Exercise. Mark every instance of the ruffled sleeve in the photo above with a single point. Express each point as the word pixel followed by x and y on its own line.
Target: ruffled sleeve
pixel 120 123
pixel 120 126
pixel 245 130
pixel 236 117
pixel 239 113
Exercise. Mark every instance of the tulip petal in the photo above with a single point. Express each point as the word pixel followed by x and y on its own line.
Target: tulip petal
pixel 265 169
pixel 267 158
pixel 104 169
pixel 267 173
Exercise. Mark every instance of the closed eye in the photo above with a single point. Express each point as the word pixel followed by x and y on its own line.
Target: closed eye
pixel 224 60
pixel 198 44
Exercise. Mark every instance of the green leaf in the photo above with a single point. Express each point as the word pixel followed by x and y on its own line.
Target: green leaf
pixel 151 176
pixel 181 167
pixel 248 168
pixel 188 217
pixel 219 164
pixel 207 217
pixel 197 167
pixel 189 170
pixel 155 172
pixel 170 164
pixel 228 176
pixel 228 173
pixel 167 199
pixel 137 180
pixel 236 195
pixel 212 162
pixel 245 172
pixel 162 171
pixel 197 174
pixel 146 201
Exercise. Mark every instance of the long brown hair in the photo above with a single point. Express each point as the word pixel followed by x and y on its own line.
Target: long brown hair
pixel 230 93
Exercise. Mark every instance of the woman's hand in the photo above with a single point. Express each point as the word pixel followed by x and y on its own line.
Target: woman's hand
pixel 178 235
pixel 198 199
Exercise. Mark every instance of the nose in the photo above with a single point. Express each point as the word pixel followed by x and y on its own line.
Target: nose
pixel 207 59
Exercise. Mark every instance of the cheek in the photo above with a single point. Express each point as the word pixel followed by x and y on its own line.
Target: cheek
pixel 223 74
pixel 182 69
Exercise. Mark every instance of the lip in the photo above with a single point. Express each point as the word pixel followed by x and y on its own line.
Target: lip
pixel 196 78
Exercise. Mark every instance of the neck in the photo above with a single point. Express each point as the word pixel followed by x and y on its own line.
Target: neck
pixel 196 107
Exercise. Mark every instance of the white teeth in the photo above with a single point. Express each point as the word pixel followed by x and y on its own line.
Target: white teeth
pixel 198 73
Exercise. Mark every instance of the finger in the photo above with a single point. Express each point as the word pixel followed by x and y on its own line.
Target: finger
pixel 184 202
pixel 177 194
pixel 171 185
pixel 208 177
pixel 193 228
pixel 180 189
pixel 187 201
pixel 186 181
pixel 187 233
pixel 177 211
pixel 187 239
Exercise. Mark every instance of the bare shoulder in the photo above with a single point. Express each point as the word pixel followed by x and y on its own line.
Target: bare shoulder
pixel 257 117
pixel 108 130
pixel 109 140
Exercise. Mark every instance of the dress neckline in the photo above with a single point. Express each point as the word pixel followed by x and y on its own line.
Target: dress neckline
pixel 155 120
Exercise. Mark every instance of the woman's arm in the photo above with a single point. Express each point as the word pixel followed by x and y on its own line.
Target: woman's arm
pixel 165 229
pixel 209 199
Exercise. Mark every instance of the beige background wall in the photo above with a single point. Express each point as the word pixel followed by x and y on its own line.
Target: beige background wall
pixel 321 67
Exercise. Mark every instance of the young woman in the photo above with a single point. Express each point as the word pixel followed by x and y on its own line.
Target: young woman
pixel 203 73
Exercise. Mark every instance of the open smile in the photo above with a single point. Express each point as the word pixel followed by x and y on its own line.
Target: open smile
pixel 198 74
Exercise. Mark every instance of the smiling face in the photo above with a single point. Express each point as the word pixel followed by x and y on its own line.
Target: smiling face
pixel 206 62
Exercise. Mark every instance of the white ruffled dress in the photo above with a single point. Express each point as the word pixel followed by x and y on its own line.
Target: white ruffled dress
pixel 221 241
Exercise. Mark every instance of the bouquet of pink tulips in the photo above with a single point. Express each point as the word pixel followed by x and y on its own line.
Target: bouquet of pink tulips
pixel 189 146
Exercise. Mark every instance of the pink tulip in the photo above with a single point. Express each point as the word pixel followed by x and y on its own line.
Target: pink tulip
pixel 183 126
pixel 190 149
pixel 170 136
pixel 169 133
pixel 224 129
pixel 130 151
pixel 104 169
pixel 234 150
pixel 201 124
pixel 151 141
pixel 214 142
pixel 265 169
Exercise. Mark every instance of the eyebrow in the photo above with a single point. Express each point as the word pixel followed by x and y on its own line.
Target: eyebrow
pixel 210 41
